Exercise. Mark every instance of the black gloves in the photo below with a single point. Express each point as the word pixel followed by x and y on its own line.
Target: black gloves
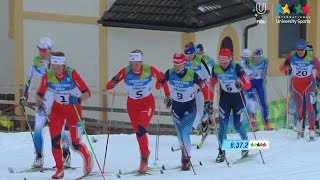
pixel 167 102
pixel 208 107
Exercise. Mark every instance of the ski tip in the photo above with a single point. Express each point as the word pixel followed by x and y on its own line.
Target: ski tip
pixel 198 147
pixel 172 149
pixel 200 163
pixel 163 167
pixel 118 176
pixel 161 171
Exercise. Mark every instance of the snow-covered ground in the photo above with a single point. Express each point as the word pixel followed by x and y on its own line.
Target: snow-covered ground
pixel 287 158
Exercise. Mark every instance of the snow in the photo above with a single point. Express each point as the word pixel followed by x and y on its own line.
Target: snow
pixel 287 158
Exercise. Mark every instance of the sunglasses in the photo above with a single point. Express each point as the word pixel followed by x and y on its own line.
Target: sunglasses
pixel 300 49
pixel 43 50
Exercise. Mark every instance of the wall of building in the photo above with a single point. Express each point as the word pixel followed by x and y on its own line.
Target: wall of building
pixel 7 63
pixel 99 52
pixel 78 39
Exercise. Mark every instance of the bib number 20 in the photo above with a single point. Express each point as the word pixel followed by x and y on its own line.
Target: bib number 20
pixel 301 73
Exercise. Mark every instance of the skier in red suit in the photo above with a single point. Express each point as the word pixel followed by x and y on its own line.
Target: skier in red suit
pixel 303 66
pixel 69 91
pixel 140 103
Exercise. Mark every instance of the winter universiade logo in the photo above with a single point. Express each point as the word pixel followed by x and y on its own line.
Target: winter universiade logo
pixel 260 10
pixel 293 15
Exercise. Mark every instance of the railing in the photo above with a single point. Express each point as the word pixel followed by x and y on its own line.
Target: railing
pixel 94 125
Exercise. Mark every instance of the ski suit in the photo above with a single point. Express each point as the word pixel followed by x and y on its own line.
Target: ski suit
pixel 256 73
pixel 303 82
pixel 140 102
pixel 71 83
pixel 183 103
pixel 37 70
pixel 201 64
pixel 231 98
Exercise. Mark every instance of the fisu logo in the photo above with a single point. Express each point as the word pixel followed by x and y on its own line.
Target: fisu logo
pixel 261 8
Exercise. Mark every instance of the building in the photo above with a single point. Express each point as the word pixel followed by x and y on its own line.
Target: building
pixel 99 52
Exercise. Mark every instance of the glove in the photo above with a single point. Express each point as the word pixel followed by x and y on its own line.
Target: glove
pixel 115 80
pixel 208 107
pixel 41 110
pixel 168 102
pixel 73 100
pixel 238 85
pixel 23 101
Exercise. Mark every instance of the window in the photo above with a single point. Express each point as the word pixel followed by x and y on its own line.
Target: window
pixel 227 43
pixel 289 33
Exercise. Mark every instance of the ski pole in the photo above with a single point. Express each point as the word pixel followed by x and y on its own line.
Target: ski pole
pixel 9 108
pixel 220 147
pixel 251 128
pixel 109 127
pixel 157 132
pixel 184 147
pixel 26 118
pixel 288 99
pixel 85 131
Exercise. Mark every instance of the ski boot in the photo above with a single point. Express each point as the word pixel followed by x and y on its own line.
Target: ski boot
pixel 254 126
pixel 67 159
pixel 88 164
pixel 221 156
pixel 185 163
pixel 311 135
pixel 143 165
pixel 38 161
pixel 59 174
pixel 299 129
pixel 268 127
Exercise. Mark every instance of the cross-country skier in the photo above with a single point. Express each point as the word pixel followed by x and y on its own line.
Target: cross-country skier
pixel 317 80
pixel 181 81
pixel 38 69
pixel 69 90
pixel 208 62
pixel 232 80
pixel 256 67
pixel 140 102
pixel 303 64
pixel 201 65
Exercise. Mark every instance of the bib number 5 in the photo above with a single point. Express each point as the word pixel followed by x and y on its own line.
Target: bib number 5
pixel 139 94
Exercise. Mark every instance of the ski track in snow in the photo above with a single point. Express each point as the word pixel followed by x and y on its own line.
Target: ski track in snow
pixel 287 158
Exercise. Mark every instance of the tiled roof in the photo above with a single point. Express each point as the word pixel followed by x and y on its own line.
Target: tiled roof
pixel 176 15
